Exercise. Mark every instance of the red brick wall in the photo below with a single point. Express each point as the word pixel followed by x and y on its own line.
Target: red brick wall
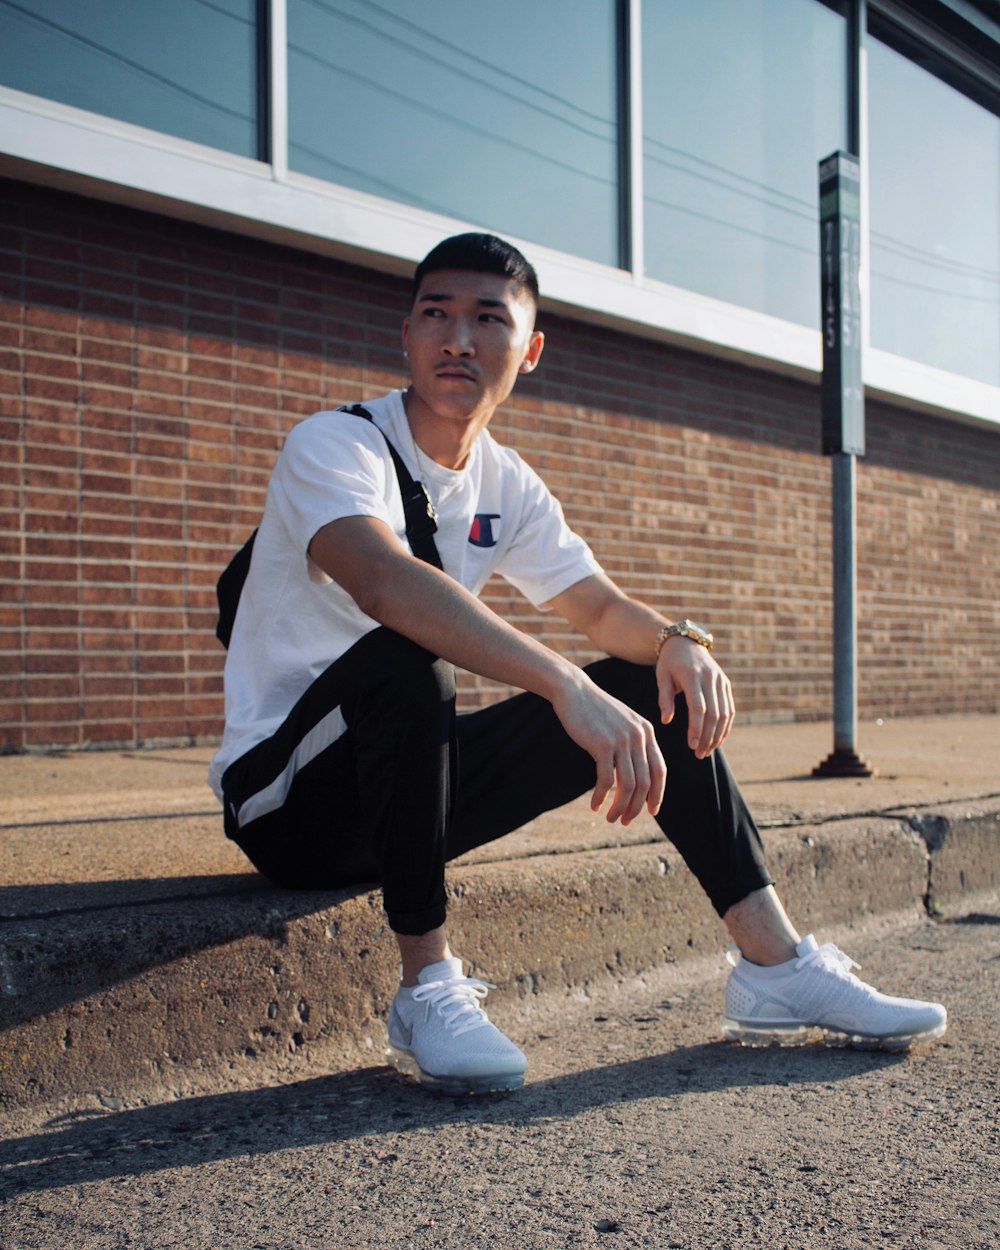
pixel 149 369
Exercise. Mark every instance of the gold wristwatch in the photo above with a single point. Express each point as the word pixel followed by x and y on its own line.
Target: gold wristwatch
pixel 686 629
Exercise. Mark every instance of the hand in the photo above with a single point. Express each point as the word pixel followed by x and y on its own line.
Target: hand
pixel 622 744
pixel 686 667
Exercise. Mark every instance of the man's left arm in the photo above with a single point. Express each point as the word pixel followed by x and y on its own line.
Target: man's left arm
pixel 627 629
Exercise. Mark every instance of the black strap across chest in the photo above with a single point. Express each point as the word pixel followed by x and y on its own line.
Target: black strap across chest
pixel 421 526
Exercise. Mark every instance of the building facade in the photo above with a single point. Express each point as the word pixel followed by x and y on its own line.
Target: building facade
pixel 207 219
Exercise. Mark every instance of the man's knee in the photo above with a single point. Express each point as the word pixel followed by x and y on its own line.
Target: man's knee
pixel 393 670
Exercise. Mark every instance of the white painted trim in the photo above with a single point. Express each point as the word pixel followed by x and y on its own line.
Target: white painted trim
pixel 899 380
pixel 99 156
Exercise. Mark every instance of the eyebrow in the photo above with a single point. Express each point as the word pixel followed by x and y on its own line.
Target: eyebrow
pixel 440 297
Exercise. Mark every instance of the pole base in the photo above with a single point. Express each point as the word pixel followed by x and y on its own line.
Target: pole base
pixel 844 762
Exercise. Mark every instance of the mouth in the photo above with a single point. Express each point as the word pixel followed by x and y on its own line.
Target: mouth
pixel 454 375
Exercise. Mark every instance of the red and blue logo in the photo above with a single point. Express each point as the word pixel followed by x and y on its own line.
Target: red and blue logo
pixel 483 533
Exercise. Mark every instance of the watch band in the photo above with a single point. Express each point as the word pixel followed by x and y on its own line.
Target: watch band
pixel 684 629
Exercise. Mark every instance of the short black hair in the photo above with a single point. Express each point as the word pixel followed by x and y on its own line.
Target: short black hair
pixel 479 253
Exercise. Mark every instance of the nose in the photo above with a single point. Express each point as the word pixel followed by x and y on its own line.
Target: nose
pixel 459 340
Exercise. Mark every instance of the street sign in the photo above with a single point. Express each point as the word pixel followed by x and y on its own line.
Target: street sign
pixel 840 270
pixel 843 436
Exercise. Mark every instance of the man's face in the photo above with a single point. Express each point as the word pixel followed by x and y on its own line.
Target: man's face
pixel 468 337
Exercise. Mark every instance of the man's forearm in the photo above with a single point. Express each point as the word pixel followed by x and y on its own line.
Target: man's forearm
pixel 628 630
pixel 418 601
pixel 614 623
pixel 436 612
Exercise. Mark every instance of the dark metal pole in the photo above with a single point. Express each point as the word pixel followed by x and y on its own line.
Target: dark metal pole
pixel 843 402
pixel 857 22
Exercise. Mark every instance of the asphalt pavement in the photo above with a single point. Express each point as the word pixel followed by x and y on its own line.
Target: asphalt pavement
pixel 638 1128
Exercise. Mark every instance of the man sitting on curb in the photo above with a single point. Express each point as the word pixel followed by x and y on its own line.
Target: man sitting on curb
pixel 344 761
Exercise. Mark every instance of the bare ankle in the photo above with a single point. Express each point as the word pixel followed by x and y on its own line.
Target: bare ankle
pixel 761 929
pixel 418 951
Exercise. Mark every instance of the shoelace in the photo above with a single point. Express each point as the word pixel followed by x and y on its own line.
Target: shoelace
pixel 833 958
pixel 828 955
pixel 457 1002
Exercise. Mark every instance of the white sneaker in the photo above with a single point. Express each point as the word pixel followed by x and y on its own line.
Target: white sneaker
pixel 787 1003
pixel 440 1034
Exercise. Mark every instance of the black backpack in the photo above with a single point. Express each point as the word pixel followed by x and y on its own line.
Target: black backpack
pixel 421 525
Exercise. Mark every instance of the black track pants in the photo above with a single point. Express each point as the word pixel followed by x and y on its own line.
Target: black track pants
pixel 373 777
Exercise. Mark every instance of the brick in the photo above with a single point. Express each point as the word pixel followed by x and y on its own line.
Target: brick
pixel 642 440
pixel 104 709
pixel 60 688
pixel 106 397
pixel 114 590
pixel 117 732
pixel 157 336
pixel 101 306
pixel 52 389
pixel 120 662
pixel 160 406
pixel 53 712
pixel 50 735
pixel 157 361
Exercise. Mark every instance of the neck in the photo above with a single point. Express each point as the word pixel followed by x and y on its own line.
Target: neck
pixel 446 441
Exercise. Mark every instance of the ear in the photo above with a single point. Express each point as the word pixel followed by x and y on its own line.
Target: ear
pixel 534 352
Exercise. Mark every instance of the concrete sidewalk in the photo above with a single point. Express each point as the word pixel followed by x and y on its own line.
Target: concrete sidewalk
pixel 140 950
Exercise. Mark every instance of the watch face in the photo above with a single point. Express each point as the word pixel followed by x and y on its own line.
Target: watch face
pixel 693 630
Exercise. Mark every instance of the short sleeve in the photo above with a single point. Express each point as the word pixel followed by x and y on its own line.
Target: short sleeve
pixel 332 466
pixel 545 557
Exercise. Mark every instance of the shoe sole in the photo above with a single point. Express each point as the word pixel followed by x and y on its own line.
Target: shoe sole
pixel 802 1035
pixel 453 1086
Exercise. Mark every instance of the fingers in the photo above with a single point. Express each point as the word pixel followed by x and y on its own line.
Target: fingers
pixel 657 775
pixel 711 712
pixel 668 693
pixel 623 746
pixel 626 785
pixel 605 780
pixel 638 774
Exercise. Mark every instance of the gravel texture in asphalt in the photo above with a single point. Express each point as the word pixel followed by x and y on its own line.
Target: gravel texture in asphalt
pixel 638 1128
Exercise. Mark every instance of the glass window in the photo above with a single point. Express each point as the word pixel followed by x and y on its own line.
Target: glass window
pixel 935 220
pixel 742 99
pixel 186 67
pixel 502 115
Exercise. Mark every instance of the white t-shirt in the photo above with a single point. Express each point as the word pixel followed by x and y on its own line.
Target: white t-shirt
pixel 494 516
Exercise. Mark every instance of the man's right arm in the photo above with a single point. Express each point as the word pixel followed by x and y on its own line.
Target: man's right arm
pixel 393 587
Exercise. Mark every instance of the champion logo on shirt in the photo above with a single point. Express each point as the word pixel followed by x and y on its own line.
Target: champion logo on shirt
pixel 483 533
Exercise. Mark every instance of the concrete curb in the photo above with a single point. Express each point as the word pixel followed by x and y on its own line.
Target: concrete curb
pixel 249 983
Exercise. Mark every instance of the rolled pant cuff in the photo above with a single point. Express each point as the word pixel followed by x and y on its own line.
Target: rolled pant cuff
pixel 739 891
pixel 416 923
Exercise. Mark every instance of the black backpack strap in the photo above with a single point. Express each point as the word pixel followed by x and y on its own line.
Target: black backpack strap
pixel 229 587
pixel 420 513
pixel 421 526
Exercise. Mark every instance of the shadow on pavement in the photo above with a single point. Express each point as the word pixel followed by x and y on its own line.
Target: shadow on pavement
pixel 375 1102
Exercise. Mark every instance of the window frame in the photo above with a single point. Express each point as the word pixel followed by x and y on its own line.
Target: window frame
pixel 70 148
